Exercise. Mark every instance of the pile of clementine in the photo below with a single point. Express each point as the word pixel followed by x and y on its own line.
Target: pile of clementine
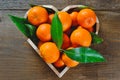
pixel 76 32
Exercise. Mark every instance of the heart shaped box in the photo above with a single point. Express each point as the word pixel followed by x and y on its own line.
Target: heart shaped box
pixel 70 8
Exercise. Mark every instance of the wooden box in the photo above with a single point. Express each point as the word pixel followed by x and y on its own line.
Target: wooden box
pixel 69 9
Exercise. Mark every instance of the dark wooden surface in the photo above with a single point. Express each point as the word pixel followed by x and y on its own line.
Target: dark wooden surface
pixel 18 61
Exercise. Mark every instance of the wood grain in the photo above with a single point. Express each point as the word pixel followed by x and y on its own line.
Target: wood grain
pixel 97 4
pixel 18 61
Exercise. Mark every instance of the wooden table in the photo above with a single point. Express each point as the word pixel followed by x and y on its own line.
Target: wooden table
pixel 18 61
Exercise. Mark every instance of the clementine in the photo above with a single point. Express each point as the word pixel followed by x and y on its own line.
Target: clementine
pixel 73 16
pixel 49 52
pixel 90 29
pixel 43 32
pixel 50 18
pixel 86 18
pixel 66 41
pixel 68 61
pixel 81 37
pixel 65 20
pixel 59 63
pixel 37 15
pixel 39 44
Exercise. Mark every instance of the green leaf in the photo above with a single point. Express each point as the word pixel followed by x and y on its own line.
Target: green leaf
pixel 31 28
pixel 84 55
pixel 32 5
pixel 27 29
pixel 32 31
pixel 96 39
pixel 20 23
pixel 83 7
pixel 56 31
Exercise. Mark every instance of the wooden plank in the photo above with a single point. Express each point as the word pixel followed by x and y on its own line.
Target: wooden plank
pixel 59 74
pixel 97 4
pixel 18 61
pixel 111 46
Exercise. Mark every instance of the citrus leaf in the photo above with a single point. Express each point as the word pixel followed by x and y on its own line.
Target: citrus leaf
pixel 32 5
pixel 32 30
pixel 56 31
pixel 84 55
pixel 83 7
pixel 96 39
pixel 20 23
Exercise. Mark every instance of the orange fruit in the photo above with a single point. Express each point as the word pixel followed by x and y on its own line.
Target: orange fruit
pixel 66 41
pixel 39 44
pixel 37 15
pixel 43 32
pixel 90 29
pixel 50 18
pixel 68 61
pixel 75 45
pixel 65 20
pixel 49 52
pixel 81 36
pixel 86 18
pixel 73 16
pixel 59 63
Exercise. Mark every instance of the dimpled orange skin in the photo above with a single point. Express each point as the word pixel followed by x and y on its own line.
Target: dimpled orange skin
pixel 37 15
pixel 69 62
pixel 91 29
pixel 65 20
pixel 74 15
pixel 59 63
pixel 39 44
pixel 66 41
pixel 50 18
pixel 81 37
pixel 43 32
pixel 49 52
pixel 86 18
